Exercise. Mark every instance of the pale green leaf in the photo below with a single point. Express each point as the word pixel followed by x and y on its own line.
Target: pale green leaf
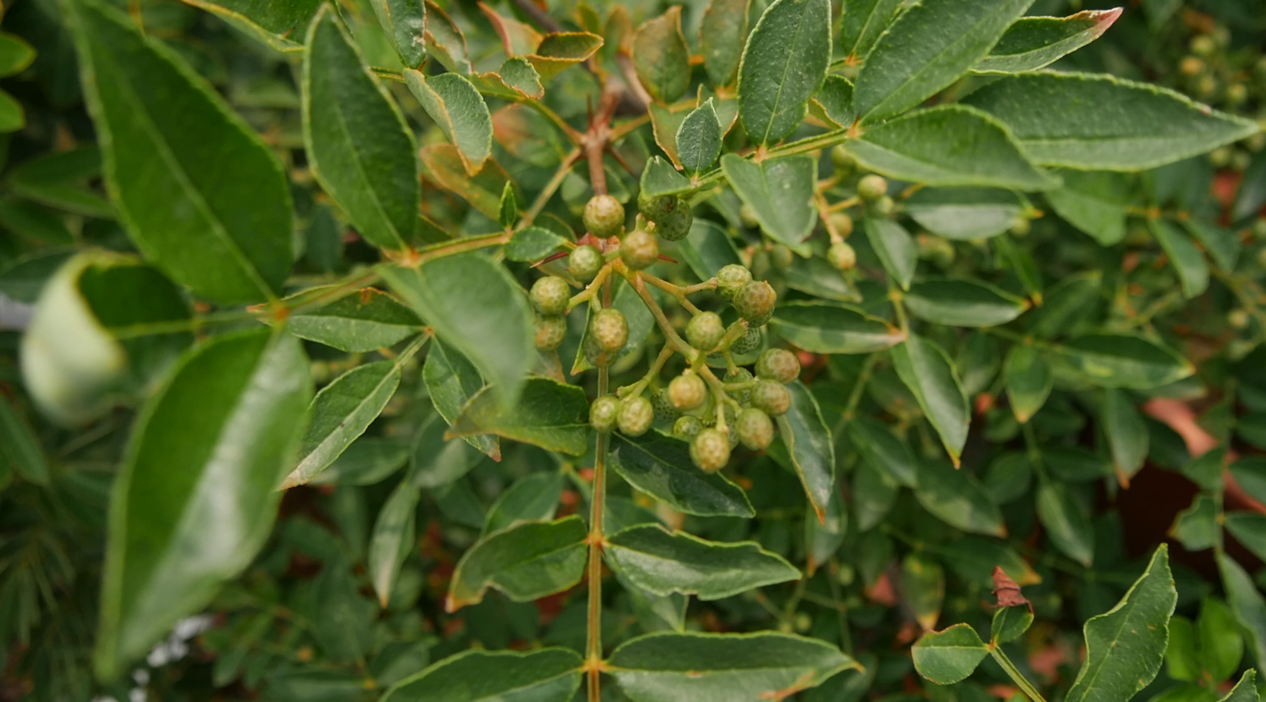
pixel 547 414
pixel 663 562
pixel 1028 380
pixel 451 380
pixel 405 23
pixel 1067 521
pixel 949 656
pixel 1125 361
pixel 526 562
pixel 1184 256
pixel 530 498
pixel 963 303
pixel 895 247
pixel 459 111
pixel 392 539
pixel 804 445
pixel 779 191
pixel 1036 42
pixel 964 213
pixel 358 322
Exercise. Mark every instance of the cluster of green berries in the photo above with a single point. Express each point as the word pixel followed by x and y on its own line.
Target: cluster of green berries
pixel 550 298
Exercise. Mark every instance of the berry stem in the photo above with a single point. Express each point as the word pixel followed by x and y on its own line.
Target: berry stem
pixel 551 187
pixel 670 334
pixel 591 290
pixel 676 291
pixel 636 388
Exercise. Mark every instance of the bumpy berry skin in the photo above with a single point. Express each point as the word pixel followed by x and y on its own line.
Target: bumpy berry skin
pixel 609 329
pixel 584 262
pixel 664 410
pixel 710 450
pixel 639 249
pixel 883 207
pixel 755 302
pixel 872 187
pixel 771 397
pixel 597 357
pixel 550 332
pixel 656 208
pixel 687 427
pixel 604 216
pixel 740 375
pixel 603 413
pixel 755 429
pixel 841 256
pixel 842 223
pixel 705 331
pixel 636 416
pixel 676 225
pixel 687 392
pixel 550 295
pixel 779 365
pixel 747 343
pixel 731 279
pixel 781 256
pixel 843 160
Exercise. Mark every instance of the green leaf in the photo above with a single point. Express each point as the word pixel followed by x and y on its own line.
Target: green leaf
pixel 12 115
pixel 1076 465
pixel 1246 602
pixel 1221 645
pixel 1125 361
pixel 661 57
pixel 1126 644
pixel 201 195
pixel 814 276
pixel 834 102
pixel 15 54
pixel 275 23
pixel 228 417
pixel 1197 528
pixel 660 466
pixel 367 461
pixel 783 66
pixel 1067 521
pixel 665 122
pixel 1127 434
pixel 949 656
pixel 531 498
pixel 1184 255
pixel 1250 473
pixel 532 244
pixel 864 22
pixel 932 378
pixel 344 631
pixel 823 538
pixel 1181 660
pixel 561 50
pixel 1146 127
pixel 923 588
pixel 509 211
pixel 443 164
pixel 826 328
pixel 475 307
pixel 874 494
pixel 1245 690
pixel 663 562
pixel 20 450
pixel 459 111
pixel 358 144
pixel 1029 381
pixel 445 41
pixel 340 413
pixel 546 675
pixel 436 461
pixel 957 498
pixel 405 23
pixel 1010 623
pixel 515 79
pixel 1222 245
pixel 722 36
pixel 393 539
pixel 895 247
pixel 948 145
pixel 884 451
pixel 699 139
pixel 526 562
pixel 928 47
pixel 547 414
pixel 693 667
pixel 778 190
pixel 451 380
pixel 805 446
pixel 963 303
pixel 660 178
pixel 359 322
pixel 964 213
pixel 707 248
pixel 1249 530
pixel 32 221
pixel 1094 202
pixel 1037 42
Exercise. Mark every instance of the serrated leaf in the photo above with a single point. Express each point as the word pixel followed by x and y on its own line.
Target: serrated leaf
pixel 804 445
pixel 699 139
pixel 451 380
pixel 405 23
pixel 783 66
pixel 883 451
pixel 547 414
pixel 526 562
pixel 532 244
pixel 359 322
pixel 957 498
pixel 20 450
pixel 1029 381
pixel 895 247
pixel 547 675
pixel 392 539
pixel 1125 361
pixel 459 111
pixel 1067 521
pixel 826 328
pixel 931 377
pixel 1128 438
pixel 279 24
pixel 663 562
pixel 863 23
pixel 530 498
pixel 722 36
pixel 779 191
pixel 963 303
pixel 1184 256
pixel 1134 126
pixel 1036 42
pixel 661 57
pixel 834 102
pixel 949 656
pixel 660 466
pixel 928 47
pixel 964 213
pixel 1094 202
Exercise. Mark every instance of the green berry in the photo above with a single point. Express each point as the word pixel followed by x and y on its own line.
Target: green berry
pixel 664 410
pixel 656 208
pixel 550 295
pixel 754 428
pixel 1238 319
pixel 772 397
pixel 872 187
pixel 781 256
pixel 778 364
pixel 755 302
pixel 1203 45
pixel 843 160
pixel 603 413
pixel 748 217
pixel 550 331
pixel 710 450
pixel 687 392
pixel 584 262
pixel 604 216
pixel 636 416
pixel 1236 93
pixel 760 264
pixel 739 375
pixel 884 206
pixel 705 331
pixel 609 329
pixel 749 342
pixel 595 354
pixel 841 256
pixel 842 223
pixel 731 279
pixel 639 249
pixel 1191 66
pixel 1021 227
pixel 687 427
pixel 675 225
pixel 1259 228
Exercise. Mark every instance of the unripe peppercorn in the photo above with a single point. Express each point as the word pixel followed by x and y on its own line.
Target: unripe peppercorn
pixel 755 302
pixel 603 413
pixel 739 375
pixel 705 330
pixel 1238 319
pixel 550 295
pixel 609 329
pixel 841 256
pixel 843 160
pixel 872 187
pixel 760 264
pixel 550 332
pixel 584 262
pixel 604 216
pixel 675 225
pixel 687 392
pixel 639 249
pixel 686 427
pixel 748 217
pixel 781 256
pixel 842 223
pixel 772 397
pixel 595 354
pixel 636 416
pixel 1203 45
pixel 755 429
pixel 778 364
pixel 884 206
pixel 749 342
pixel 710 450
pixel 1191 66
pixel 1236 93
pixel 731 279
pixel 657 207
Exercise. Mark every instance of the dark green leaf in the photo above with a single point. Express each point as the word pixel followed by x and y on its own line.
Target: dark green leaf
pixel 1065 305
pixel 864 22
pixel 964 213
pixel 783 66
pixel 699 139
pixel 1094 202
pixel 823 538
pixel 436 460
pixel 1125 361
pixel 932 378
pixel 367 461
pixel 874 494
pixel 361 321
pixel 277 23
pixel 451 380
pixel 835 101
pixel 344 631
pixel 1197 527
pixel 779 191
pixel 660 178
pixel 1246 602
pixel 20 450
pixel 530 498
pixel 405 23
pixel 949 656
pixel 963 303
pixel 722 35
pixel 660 466
pixel 1248 529
pixel 806 447
pixel 1184 255
pixel 547 675
pixel 459 111
pixel 1250 473
pixel 923 588
pixel 1029 381
pixel 1036 42
pixel 526 562
pixel 560 50
pixel 1127 434
pixel 547 414
pixel 884 451
pixel 1221 645
pixel 32 221
pixel 661 57
pixel 895 247
pixel 816 277
pixel 509 211
pixel 393 539
pixel 663 562
pixel 957 498
pixel 532 243
pixel 1222 245
pixel 1067 521
pixel 15 54
pixel 1245 690
pixel 1010 623
pixel 1182 662
pixel 707 249
pixel 826 328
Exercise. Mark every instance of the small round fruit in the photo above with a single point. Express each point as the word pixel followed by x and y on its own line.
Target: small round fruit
pixel 675 225
pixel 749 342
pixel 603 413
pixel 1238 319
pixel 687 427
pixel 609 329
pixel 595 354
pixel 884 206
pixel 710 450
pixel 1203 45
pixel 843 160
pixel 842 223
pixel 760 264
pixel 755 429
pixel 604 216
pixel 781 256
pixel 748 217
pixel 584 262
pixel 731 279
pixel 872 187
pixel 739 375
pixel 772 397
pixel 778 364
pixel 550 295
pixel 1236 93
pixel 705 330
pixel 687 392
pixel 657 207
pixel 1021 227
pixel 841 256
pixel 1191 66
pixel 755 302
pixel 550 332
pixel 639 249
pixel 636 416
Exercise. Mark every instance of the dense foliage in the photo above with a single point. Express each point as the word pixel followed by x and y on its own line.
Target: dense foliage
pixel 731 350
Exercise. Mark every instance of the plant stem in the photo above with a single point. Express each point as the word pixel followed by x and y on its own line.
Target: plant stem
pixel 445 249
pixel 1014 673
pixel 551 187
pixel 593 657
